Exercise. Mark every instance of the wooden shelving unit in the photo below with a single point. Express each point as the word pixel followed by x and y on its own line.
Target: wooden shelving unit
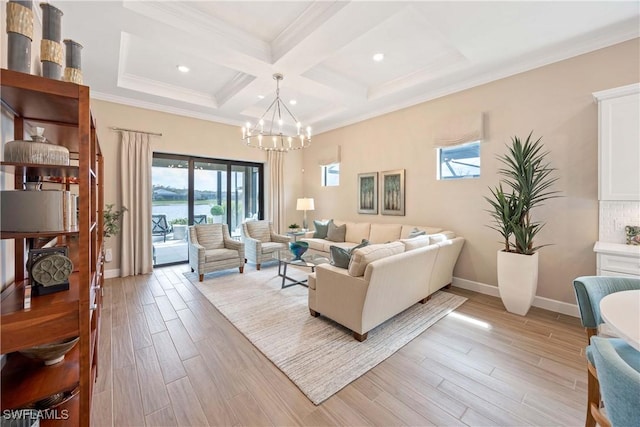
pixel 63 110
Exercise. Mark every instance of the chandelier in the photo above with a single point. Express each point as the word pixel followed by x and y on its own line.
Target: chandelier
pixel 273 132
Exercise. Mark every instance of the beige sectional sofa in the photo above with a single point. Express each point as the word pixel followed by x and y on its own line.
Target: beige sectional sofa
pixel 383 279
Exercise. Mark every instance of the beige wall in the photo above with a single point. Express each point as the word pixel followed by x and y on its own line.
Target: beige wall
pixel 180 135
pixel 554 101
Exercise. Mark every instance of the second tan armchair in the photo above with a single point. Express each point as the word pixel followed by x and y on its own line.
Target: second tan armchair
pixel 260 241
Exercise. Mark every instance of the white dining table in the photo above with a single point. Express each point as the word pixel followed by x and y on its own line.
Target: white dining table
pixel 621 311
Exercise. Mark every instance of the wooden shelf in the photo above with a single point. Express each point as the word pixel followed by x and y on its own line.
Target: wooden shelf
pixel 40 170
pixel 36 234
pixel 68 413
pixel 26 381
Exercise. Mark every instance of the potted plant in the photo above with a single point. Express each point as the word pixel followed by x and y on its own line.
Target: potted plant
pixel 294 227
pixel 526 183
pixel 112 219
pixel 217 211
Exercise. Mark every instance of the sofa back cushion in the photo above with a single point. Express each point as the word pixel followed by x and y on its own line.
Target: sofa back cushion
pixel 408 229
pixel 259 230
pixel 356 231
pixel 442 236
pixel 360 258
pixel 415 242
pixel 210 236
pixel 383 233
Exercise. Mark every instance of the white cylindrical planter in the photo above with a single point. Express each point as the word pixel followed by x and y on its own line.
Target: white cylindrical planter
pixel 517 280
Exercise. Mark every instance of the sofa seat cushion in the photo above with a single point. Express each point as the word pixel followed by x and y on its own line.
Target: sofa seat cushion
pixel 363 256
pixel 259 230
pixel 211 255
pixel 383 233
pixel 270 247
pixel 407 229
pixel 315 244
pixel 416 242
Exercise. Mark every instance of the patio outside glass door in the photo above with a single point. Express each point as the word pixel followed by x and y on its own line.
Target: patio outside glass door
pixel 170 210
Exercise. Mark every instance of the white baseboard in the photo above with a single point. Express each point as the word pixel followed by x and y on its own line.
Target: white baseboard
pixel 110 274
pixel 540 302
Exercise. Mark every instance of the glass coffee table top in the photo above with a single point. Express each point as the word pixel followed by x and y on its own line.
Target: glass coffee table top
pixel 286 258
pixel 308 260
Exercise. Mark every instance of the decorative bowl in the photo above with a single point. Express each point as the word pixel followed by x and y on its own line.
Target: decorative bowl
pixel 298 249
pixel 51 353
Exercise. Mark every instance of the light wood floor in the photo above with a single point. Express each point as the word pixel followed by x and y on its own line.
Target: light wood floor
pixel 168 357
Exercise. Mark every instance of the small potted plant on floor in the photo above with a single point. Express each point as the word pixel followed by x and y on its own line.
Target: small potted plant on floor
pixel 527 181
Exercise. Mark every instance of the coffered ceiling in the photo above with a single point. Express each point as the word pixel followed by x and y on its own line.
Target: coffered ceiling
pixel 324 49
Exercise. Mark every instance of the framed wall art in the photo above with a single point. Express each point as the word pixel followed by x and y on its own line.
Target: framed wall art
pixel 392 192
pixel 368 193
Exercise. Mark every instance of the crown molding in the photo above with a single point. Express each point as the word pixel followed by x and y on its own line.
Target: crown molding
pixel 306 23
pixel 116 99
pixel 184 17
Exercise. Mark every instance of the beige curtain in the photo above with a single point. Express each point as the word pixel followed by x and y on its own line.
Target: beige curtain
pixel 135 168
pixel 275 160
pixel 459 130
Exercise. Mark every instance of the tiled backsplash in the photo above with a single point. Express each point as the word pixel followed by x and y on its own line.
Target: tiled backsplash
pixel 614 216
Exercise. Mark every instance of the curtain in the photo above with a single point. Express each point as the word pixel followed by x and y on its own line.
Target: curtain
pixel 135 168
pixel 459 130
pixel 275 160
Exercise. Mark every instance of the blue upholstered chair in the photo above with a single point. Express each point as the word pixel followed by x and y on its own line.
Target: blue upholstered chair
pixel 618 367
pixel 589 291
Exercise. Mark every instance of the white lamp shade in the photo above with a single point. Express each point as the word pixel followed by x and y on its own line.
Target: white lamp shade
pixel 305 204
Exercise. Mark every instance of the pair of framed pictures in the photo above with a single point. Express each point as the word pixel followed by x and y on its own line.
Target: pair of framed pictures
pixel 391 192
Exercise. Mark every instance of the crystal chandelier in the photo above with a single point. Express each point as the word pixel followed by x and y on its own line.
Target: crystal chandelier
pixel 273 132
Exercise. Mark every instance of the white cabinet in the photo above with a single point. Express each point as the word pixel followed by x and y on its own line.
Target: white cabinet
pixel 615 259
pixel 619 143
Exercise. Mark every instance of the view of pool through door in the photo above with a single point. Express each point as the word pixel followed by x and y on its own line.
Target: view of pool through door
pixel 194 190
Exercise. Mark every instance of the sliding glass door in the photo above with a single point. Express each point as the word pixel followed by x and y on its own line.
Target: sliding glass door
pixel 193 190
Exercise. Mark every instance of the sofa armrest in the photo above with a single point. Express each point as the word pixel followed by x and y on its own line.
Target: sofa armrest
pixel 280 238
pixel 308 234
pixel 340 296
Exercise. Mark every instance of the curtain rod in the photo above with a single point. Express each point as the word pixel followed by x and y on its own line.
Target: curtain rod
pixel 133 130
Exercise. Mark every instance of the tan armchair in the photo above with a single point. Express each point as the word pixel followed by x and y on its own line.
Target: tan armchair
pixel 212 249
pixel 260 241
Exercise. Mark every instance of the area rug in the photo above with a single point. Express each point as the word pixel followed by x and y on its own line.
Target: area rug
pixel 318 355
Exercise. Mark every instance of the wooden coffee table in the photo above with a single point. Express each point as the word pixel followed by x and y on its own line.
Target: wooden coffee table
pixel 285 258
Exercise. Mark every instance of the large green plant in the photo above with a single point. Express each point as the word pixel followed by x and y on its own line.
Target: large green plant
pixel 526 183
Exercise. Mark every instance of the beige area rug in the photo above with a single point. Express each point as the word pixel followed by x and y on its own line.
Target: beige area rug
pixel 318 355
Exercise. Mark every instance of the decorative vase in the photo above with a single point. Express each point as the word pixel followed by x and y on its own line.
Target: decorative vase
pixel 298 249
pixel 50 46
pixel 36 151
pixel 73 65
pixel 19 35
pixel 517 280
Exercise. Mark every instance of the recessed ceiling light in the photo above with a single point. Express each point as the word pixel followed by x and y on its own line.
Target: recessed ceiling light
pixel 378 57
pixel 293 102
pixel 260 96
pixel 183 68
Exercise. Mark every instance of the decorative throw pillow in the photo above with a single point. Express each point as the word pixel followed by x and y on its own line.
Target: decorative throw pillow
pixel 336 233
pixel 416 232
pixel 340 257
pixel 321 229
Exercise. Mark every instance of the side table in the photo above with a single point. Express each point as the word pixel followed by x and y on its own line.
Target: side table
pixel 296 234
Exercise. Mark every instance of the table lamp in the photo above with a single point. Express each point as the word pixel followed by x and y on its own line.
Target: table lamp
pixel 305 204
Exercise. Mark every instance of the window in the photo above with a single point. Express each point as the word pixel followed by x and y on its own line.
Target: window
pixel 460 161
pixel 331 175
